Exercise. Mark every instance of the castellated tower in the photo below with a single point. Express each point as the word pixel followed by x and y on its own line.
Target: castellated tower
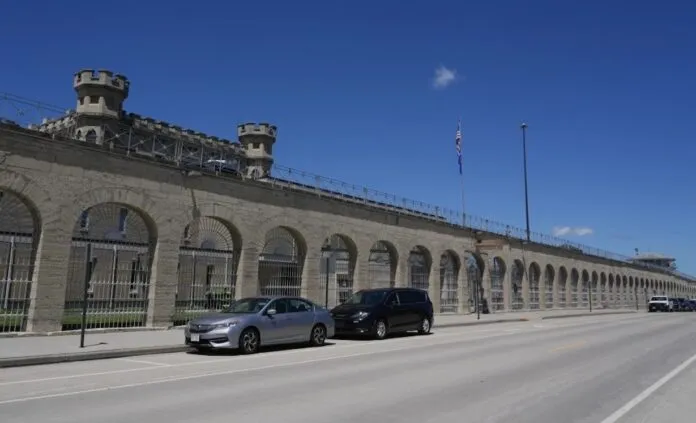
pixel 100 97
pixel 257 141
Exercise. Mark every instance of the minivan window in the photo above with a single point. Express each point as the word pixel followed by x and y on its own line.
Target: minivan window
pixel 393 299
pixel 366 297
pixel 411 297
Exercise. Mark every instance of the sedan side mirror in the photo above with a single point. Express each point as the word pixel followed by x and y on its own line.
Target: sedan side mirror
pixel 271 312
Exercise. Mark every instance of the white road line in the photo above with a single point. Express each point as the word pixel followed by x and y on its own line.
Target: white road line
pixel 215 373
pixel 618 414
pixel 150 363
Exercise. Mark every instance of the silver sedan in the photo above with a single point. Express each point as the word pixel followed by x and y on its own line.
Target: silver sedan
pixel 250 322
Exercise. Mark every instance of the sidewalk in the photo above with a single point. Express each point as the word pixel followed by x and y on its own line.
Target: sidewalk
pixel 34 350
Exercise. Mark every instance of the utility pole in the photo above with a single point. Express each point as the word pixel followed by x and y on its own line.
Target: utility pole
pixel 526 193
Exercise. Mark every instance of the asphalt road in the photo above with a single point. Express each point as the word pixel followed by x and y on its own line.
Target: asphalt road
pixel 605 369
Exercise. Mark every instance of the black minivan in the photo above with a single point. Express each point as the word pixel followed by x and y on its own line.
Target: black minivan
pixel 380 312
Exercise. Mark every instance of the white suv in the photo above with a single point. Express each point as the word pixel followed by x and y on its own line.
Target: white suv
pixel 660 303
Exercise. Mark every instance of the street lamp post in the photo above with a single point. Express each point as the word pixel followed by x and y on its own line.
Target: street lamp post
pixel 526 194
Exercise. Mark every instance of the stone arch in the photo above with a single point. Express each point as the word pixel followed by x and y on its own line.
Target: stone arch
pixel 603 289
pixel 475 267
pixel 498 270
pixel 549 277
pixel 574 278
pixel 419 265
pixel 585 289
pixel 449 282
pixel 382 261
pixel 516 277
pixel 281 262
pixel 20 230
pixel 339 255
pixel 143 205
pixel 534 276
pixel 629 291
pixel 562 286
pixel 114 243
pixel 209 251
pixel 594 288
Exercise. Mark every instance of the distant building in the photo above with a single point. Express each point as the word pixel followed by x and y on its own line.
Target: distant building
pixel 655 260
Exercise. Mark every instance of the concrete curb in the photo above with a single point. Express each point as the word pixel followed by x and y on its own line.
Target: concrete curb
pixel 91 355
pixel 565 316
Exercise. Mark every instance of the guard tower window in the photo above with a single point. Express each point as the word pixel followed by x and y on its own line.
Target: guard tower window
pixel 122 216
pixel 257 145
pixel 94 99
pixel 91 136
pixel 82 101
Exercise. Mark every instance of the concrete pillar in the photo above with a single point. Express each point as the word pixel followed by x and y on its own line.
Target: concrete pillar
pixel 49 279
pixel 402 271
pixel 248 272
pixel 311 272
pixel 164 277
pixel 486 281
pixel 361 274
pixel 434 285
pixel 463 285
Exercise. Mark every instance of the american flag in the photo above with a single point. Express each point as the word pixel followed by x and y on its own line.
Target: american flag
pixel 458 145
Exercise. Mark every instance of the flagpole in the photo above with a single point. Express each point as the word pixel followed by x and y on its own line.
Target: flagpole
pixel 460 158
pixel 461 180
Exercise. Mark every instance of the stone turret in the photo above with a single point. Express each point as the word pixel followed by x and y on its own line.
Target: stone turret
pixel 100 98
pixel 257 140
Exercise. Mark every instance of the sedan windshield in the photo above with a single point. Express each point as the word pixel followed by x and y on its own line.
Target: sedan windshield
pixel 366 297
pixel 247 305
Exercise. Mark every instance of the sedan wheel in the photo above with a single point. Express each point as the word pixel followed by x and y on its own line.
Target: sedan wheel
pixel 249 341
pixel 318 336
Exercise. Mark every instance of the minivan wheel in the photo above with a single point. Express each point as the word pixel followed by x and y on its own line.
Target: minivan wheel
pixel 318 337
pixel 424 327
pixel 380 329
pixel 249 341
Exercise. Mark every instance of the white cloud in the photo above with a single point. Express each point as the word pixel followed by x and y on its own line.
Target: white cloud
pixel 444 77
pixel 567 230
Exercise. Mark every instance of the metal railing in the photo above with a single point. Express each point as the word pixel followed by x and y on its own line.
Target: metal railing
pixel 18 113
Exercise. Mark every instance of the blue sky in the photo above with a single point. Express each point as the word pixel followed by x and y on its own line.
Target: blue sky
pixel 606 87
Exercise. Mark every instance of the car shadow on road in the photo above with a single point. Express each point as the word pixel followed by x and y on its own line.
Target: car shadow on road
pixel 399 335
pixel 263 350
